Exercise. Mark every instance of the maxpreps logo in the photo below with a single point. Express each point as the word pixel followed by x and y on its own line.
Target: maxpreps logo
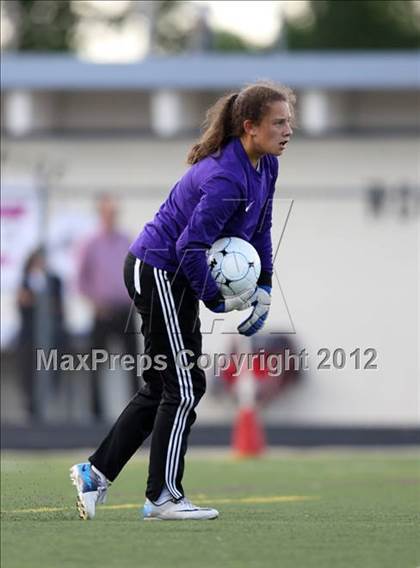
pixel 96 358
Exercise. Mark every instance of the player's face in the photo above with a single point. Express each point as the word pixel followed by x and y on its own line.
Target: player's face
pixel 274 130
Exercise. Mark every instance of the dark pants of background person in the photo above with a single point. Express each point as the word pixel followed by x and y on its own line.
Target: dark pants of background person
pixel 27 361
pixel 165 404
pixel 114 325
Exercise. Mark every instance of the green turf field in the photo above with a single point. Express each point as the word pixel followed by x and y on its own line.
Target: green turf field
pixel 300 510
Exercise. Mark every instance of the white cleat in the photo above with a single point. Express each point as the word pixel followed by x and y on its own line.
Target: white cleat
pixel 91 489
pixel 182 510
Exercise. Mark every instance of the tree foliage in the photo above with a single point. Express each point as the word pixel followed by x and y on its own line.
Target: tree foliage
pixel 223 40
pixel 172 25
pixel 355 24
pixel 45 25
pixel 180 27
pixel 176 26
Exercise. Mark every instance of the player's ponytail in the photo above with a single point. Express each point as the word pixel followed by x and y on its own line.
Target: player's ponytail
pixel 226 117
pixel 217 129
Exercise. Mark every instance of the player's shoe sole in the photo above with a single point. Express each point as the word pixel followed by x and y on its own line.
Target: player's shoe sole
pixel 89 492
pixel 81 509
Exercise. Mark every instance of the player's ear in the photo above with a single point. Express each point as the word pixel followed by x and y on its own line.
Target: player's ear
pixel 249 127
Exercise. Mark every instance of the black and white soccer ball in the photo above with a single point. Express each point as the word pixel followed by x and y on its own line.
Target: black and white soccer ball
pixel 235 265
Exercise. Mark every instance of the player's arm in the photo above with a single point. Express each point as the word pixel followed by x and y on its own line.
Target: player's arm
pixel 261 239
pixel 261 300
pixel 220 199
pixel 262 242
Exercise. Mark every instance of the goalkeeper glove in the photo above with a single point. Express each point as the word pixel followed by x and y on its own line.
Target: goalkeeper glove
pixel 222 305
pixel 261 300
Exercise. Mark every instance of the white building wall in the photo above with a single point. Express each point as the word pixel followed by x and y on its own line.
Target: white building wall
pixel 331 164
pixel 350 280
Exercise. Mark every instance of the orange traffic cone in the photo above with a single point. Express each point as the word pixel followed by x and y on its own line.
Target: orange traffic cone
pixel 248 435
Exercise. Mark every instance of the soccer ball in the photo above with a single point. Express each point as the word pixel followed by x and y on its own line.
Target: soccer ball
pixel 235 265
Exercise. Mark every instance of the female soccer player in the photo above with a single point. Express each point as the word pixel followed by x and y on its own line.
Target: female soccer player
pixel 227 191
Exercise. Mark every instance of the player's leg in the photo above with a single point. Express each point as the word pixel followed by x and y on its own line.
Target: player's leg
pixel 183 387
pixel 132 427
pixel 135 422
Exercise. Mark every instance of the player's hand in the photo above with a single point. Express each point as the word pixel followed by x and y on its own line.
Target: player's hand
pixel 261 300
pixel 239 302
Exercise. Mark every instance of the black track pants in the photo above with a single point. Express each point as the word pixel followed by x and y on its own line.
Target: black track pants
pixel 165 404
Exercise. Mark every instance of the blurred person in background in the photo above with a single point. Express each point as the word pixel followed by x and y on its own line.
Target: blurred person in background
pixel 36 280
pixel 227 191
pixel 100 281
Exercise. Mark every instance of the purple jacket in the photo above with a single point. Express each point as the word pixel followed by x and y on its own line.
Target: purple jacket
pixel 222 195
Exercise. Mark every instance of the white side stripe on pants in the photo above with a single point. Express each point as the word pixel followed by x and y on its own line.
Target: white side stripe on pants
pixel 178 437
pixel 137 276
pixel 184 380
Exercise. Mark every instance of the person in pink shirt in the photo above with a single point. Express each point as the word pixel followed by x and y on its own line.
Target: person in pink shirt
pixel 100 281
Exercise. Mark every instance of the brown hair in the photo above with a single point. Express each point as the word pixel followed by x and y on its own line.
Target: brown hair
pixel 226 117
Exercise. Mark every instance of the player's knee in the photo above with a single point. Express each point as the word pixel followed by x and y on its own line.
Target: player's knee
pixel 192 387
pixel 149 391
